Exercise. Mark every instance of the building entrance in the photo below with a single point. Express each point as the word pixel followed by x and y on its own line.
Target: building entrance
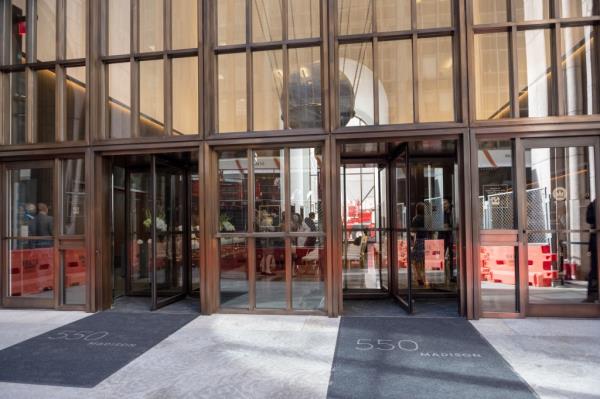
pixel 154 235
pixel 400 204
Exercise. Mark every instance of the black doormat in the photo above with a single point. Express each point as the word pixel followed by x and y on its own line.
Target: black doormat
pixel 84 353
pixel 391 357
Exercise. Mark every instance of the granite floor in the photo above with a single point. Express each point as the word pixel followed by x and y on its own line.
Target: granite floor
pixel 251 356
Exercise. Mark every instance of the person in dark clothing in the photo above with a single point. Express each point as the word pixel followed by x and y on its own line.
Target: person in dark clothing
pixel 44 225
pixel 418 247
pixel 310 223
pixel 592 289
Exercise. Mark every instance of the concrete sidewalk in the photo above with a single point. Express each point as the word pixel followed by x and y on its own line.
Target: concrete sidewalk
pixel 252 356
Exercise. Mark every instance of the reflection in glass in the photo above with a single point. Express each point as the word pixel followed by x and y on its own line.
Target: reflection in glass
pixel 492 78
pixel 489 11
pixel 232 92
pixel 305 188
pixel 184 24
pixel 304 19
pixel 31 206
pixel 76 89
pixel 152 107
pixel 498 268
pixel 72 262
pixel 355 17
pixel 435 79
pixel 267 17
pixel 308 277
pixel 140 231
pixel 356 84
pixel 580 69
pixel 267 89
pixel 270 273
pixel 402 265
pixel 396 80
pixel 185 95
pixel 45 124
pixel 305 100
pixel 233 265
pixel 119 100
pixel 196 235
pixel 151 25
pixel 18 107
pixel 18 51
pixel 74 196
pixel 496 196
pixel 528 10
pixel 231 22
pixel 269 185
pixel 561 253
pixel 31 265
pixel 233 191
pixel 393 15
pixel 45 30
pixel 534 57
pixel 76 23
pixel 577 8
pixel 434 14
pixel 119 26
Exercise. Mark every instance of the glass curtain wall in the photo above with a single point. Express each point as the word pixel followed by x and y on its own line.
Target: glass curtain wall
pixel 523 69
pixel 271 232
pixel 390 68
pixel 151 76
pixel 47 76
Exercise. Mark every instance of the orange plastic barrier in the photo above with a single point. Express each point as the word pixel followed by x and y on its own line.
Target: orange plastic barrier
pixel 32 271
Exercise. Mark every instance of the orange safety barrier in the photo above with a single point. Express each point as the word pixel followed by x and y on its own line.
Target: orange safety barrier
pixel 32 271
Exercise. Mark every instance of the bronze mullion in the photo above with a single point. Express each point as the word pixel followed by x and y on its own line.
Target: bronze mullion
pixel 329 25
pixel 167 25
pixel 250 241
pixel 514 72
pixel 60 104
pixel 521 214
pixel 30 113
pixel 61 29
pixel 168 95
pixel 374 54
pixel 286 67
pixel 287 226
pixel 558 89
pixel 249 88
pixel 30 39
pixel 58 268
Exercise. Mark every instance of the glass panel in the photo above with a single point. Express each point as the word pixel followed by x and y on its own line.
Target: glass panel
pixel 267 89
pixel 140 232
pixel 489 11
pixel 396 82
pixel 31 268
pixel 184 24
pixel 496 196
pixel 498 268
pixel 19 32
pixel 401 206
pixel 120 245
pixel 355 17
pixel 46 30
pixel 76 23
pixel 269 186
pixel 580 69
pixel 304 19
pixel 305 99
pixel 362 260
pixel 31 206
pixel 74 196
pixel 196 235
pixel 233 256
pixel 231 22
pixel 233 191
pixel 119 100
pixel 45 112
pixel 267 17
pixel 356 84
pixel 74 275
pixel 393 15
pixel 402 265
pixel 185 95
pixel 151 25
pixel 170 220
pixel 308 277
pixel 232 92
pixel 435 79
pixel 492 78
pixel 306 189
pixel 152 99
pixel 119 26
pixel 270 273
pixel 577 8
pixel 528 10
pixel 534 57
pixel 76 90
pixel 434 14
pixel 18 107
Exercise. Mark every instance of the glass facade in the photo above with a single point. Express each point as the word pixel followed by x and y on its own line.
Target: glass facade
pixel 265 94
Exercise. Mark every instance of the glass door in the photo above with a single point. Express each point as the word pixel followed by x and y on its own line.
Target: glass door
pixel 558 208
